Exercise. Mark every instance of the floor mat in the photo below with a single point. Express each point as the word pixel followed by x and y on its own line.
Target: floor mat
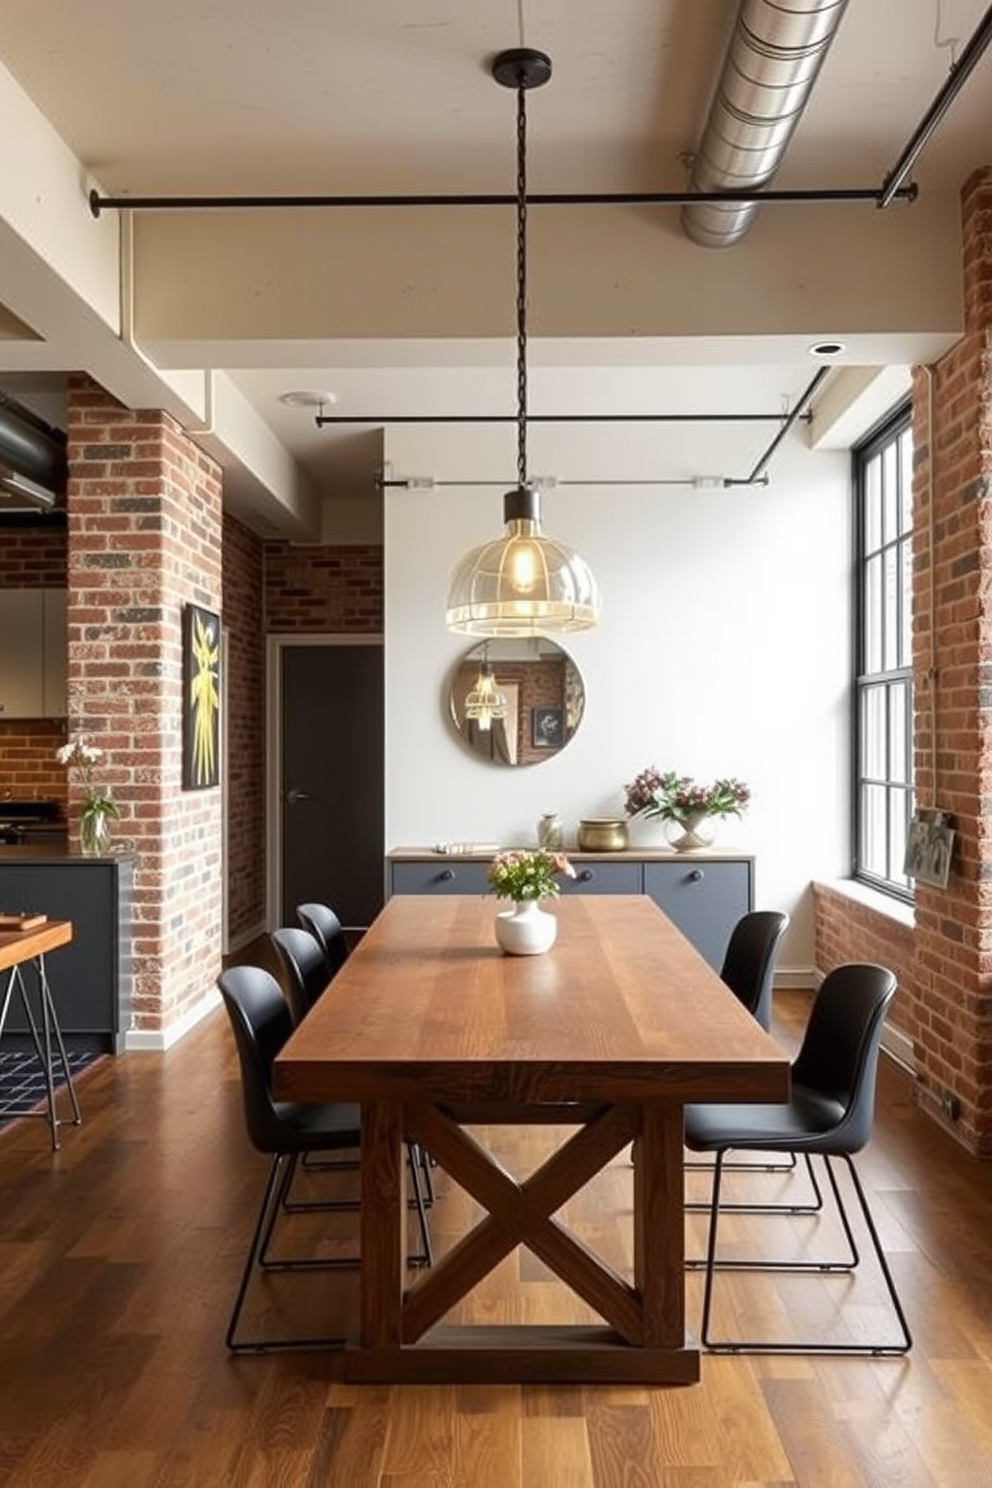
pixel 22 1082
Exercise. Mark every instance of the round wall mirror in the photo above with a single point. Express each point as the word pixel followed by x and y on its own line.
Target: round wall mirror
pixel 516 702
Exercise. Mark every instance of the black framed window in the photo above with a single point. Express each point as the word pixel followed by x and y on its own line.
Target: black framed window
pixel 883 472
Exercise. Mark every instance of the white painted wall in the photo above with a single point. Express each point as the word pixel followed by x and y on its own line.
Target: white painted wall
pixel 725 645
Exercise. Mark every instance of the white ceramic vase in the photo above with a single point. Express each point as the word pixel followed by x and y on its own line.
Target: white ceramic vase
pixel 526 929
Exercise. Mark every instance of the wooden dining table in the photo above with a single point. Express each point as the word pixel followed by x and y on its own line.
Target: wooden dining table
pixel 433 1030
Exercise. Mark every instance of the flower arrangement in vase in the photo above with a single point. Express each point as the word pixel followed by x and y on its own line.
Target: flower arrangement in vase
pixel 688 812
pixel 98 809
pixel 527 877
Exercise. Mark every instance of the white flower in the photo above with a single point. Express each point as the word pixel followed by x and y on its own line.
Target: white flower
pixel 78 752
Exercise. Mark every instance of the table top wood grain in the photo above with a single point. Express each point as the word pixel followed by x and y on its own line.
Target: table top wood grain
pixel 622 1007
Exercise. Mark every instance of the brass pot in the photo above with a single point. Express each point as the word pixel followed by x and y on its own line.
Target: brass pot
pixel 603 834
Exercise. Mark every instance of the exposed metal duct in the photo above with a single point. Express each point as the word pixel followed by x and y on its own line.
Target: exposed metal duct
pixel 33 467
pixel 775 53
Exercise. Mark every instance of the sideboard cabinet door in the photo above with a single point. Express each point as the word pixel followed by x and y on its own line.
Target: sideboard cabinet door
pixel 603 878
pixel 439 877
pixel 705 899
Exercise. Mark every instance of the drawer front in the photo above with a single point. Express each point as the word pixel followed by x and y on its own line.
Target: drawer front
pixel 705 900
pixel 435 877
pixel 603 878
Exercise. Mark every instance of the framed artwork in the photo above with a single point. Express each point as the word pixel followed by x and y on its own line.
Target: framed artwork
pixel 929 844
pixel 201 698
pixel 547 728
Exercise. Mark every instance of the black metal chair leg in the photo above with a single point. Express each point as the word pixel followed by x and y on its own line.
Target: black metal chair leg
pixel 741 1207
pixel 879 1252
pixel 279 1174
pixel 426 1257
pixel 427 1170
pixel 789 1346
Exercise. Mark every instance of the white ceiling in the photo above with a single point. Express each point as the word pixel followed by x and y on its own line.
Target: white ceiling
pixel 394 96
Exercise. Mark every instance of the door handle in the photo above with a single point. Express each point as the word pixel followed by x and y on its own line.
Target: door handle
pixel 293 797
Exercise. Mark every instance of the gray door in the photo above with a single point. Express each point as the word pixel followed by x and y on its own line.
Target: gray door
pixel 332 780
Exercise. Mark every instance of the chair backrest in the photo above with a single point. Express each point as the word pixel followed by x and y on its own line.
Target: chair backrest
pixel 305 965
pixel 838 1058
pixel 749 964
pixel 262 1023
pixel 322 922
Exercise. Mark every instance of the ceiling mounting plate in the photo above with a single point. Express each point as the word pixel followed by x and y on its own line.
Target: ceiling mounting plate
pixel 521 67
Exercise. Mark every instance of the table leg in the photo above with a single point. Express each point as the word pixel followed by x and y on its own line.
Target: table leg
pixel 42 1038
pixel 659 1225
pixel 382 1225
pixel 46 994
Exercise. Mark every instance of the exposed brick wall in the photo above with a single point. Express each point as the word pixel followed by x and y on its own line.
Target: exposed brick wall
pixel 945 999
pixel 330 590
pixel 849 931
pixel 33 557
pixel 144 517
pixel 28 768
pixel 244 729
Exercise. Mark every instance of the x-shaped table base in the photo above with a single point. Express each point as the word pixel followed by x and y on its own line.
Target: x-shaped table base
pixel 644 1336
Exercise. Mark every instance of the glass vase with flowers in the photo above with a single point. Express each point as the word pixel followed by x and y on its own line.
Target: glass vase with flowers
pixel 689 812
pixel 526 877
pixel 98 809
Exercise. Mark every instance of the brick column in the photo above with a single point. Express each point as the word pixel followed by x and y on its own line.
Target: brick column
pixel 144 536
pixel 944 962
pixel 952 666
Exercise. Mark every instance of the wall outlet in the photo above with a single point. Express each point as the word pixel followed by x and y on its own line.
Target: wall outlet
pixel 950 1105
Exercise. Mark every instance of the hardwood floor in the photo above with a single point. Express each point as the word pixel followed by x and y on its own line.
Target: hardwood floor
pixel 119 1256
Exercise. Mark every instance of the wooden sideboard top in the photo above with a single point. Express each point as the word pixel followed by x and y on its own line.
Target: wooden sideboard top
pixel 715 854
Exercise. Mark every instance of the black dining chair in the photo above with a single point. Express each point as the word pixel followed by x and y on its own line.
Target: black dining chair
pixel 308 974
pixel 322 922
pixel 748 969
pixel 305 967
pixel 286 1130
pixel 749 961
pixel 829 1115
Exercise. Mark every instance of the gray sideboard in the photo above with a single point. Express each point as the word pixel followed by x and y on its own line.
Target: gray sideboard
pixel 704 893
pixel 90 978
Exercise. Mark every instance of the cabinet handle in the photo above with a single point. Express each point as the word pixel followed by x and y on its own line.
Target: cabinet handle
pixel 697 875
pixel 445 876
pixel 587 875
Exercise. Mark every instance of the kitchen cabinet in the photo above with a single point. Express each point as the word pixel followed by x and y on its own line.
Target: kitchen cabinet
pixel 705 894
pixel 32 653
pixel 91 977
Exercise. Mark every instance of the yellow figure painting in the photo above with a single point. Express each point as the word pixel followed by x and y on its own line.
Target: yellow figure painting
pixel 203 697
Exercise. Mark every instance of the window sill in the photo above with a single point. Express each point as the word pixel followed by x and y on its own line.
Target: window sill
pixel 883 904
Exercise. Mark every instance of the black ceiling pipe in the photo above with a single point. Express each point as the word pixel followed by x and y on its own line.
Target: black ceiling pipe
pixel 32 448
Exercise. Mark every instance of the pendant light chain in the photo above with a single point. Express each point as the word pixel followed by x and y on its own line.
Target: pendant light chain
pixel 521 286
pixel 525 583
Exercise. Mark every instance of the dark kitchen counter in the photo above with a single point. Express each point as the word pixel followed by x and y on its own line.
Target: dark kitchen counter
pixel 50 854
pixel 91 977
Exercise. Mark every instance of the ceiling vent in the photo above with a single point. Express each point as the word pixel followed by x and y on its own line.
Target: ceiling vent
pixel 33 466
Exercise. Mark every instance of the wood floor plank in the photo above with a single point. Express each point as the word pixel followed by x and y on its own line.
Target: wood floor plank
pixel 119 1256
pixel 555 1449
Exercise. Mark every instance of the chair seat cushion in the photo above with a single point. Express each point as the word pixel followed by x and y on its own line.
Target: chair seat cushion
pixel 806 1120
pixel 318 1128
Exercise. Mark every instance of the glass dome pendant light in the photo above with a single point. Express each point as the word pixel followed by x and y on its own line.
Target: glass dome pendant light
pixel 523 583
pixel 485 702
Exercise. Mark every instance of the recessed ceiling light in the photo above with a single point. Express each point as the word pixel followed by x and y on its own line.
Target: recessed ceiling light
pixel 827 348
pixel 307 398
